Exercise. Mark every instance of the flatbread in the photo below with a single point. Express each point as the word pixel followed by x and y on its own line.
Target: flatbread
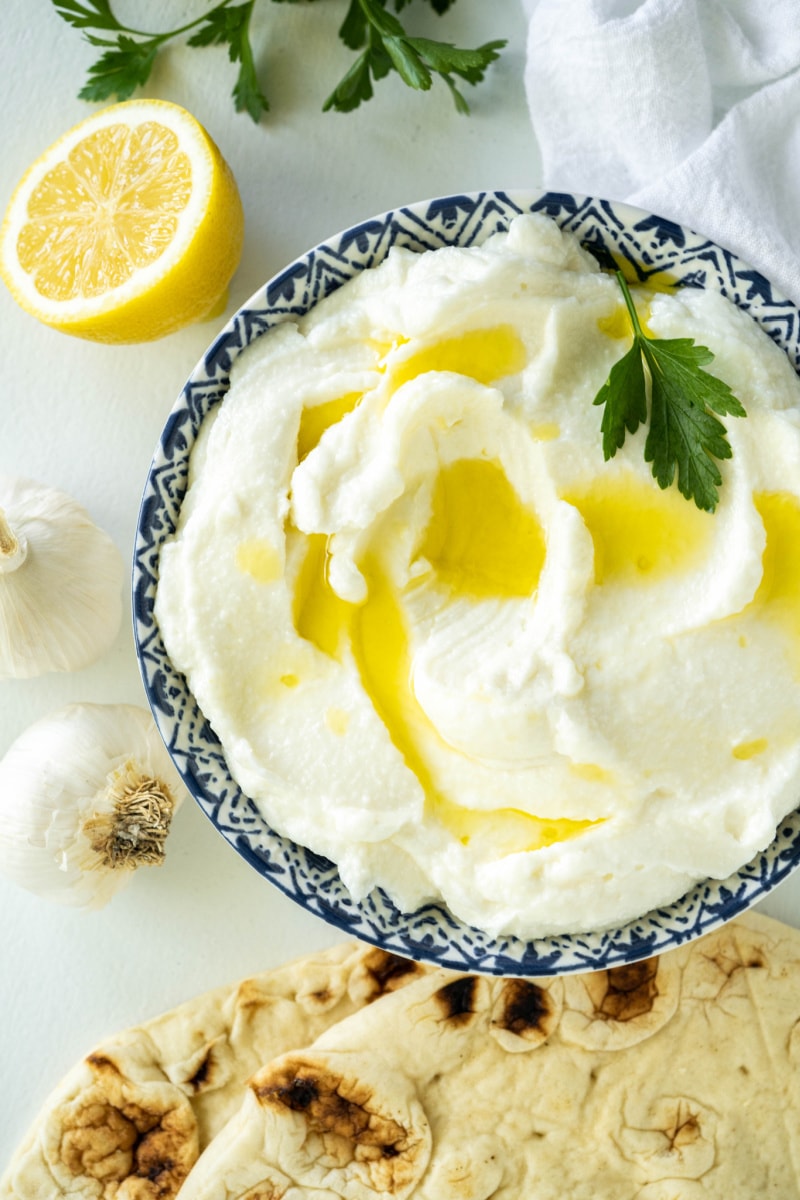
pixel 129 1121
pixel 672 1079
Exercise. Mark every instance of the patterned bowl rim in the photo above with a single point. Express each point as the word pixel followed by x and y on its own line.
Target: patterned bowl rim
pixel 615 233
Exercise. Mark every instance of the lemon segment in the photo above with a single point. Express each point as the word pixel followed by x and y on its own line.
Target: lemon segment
pixel 127 228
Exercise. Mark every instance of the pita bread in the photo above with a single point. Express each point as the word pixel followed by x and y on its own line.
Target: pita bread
pixel 128 1122
pixel 672 1079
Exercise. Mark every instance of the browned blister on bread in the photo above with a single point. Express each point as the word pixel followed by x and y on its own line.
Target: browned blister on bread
pixel 674 1078
pixel 129 1121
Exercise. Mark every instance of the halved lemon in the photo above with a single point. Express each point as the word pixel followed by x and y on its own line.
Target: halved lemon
pixel 127 228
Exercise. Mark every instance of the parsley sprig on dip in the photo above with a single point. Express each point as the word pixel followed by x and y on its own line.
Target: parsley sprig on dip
pixel 683 432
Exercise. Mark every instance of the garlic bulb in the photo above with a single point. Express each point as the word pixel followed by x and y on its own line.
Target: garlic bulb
pixel 60 582
pixel 86 796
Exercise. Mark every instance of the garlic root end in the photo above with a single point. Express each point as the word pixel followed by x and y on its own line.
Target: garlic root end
pixel 133 832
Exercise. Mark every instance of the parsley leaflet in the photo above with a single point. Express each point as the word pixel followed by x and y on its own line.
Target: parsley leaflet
pixel 683 432
pixel 368 27
pixel 385 46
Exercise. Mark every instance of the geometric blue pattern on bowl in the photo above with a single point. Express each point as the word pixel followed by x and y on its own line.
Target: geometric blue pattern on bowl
pixel 613 233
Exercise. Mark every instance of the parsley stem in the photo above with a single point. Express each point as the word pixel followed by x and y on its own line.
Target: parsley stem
pixel 631 307
pixel 169 33
pixel 247 53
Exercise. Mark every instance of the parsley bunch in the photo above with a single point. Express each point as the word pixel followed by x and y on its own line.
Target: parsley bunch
pixel 128 54
pixel 683 432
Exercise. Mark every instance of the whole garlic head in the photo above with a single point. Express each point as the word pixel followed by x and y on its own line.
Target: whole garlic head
pixel 87 795
pixel 60 582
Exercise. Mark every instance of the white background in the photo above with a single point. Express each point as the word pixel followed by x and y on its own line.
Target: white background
pixel 86 418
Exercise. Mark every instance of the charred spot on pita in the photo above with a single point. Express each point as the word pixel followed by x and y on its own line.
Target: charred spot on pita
pixel 388 972
pixel 154 1172
pixel 457 999
pixel 333 1104
pixel 101 1062
pixel 203 1074
pixel 113 1142
pixel 299 1094
pixel 631 990
pixel 525 1007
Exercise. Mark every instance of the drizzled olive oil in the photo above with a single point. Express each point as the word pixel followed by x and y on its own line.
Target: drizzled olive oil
pixel 482 354
pixel 320 616
pixel 315 420
pixel 504 559
pixel 259 559
pixel 640 533
pixel 778 595
pixel 481 540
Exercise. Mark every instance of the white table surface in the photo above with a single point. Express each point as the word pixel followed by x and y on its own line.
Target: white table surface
pixel 86 418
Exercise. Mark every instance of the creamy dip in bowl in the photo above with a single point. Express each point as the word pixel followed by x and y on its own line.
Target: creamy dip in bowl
pixel 519 696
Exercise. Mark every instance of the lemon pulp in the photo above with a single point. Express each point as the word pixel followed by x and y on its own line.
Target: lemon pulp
pixel 110 208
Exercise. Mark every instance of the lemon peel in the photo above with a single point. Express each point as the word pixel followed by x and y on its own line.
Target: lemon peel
pixel 129 227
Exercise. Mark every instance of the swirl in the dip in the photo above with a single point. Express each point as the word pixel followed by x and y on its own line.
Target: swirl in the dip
pixel 444 643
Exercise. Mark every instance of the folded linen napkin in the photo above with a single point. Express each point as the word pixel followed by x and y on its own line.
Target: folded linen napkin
pixel 687 108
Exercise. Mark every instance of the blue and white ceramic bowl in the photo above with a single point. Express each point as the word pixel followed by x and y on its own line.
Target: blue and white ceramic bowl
pixel 615 234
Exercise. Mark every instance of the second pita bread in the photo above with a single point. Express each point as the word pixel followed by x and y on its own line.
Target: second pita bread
pixel 128 1122
pixel 672 1079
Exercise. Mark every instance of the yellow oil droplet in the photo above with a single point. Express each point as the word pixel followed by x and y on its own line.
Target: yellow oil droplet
pixel 662 281
pixel 778 595
pixel 380 648
pixel 481 540
pixel 742 641
pixel 780 583
pixel 259 559
pixel 617 325
pixel 289 680
pixel 314 421
pixel 640 532
pixel 506 830
pixel 657 281
pixel 548 431
pixel 483 354
pixel 746 750
pixel 337 720
pixel 320 616
pixel 591 772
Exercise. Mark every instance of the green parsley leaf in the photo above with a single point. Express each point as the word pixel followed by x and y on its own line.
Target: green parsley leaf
pixel 368 27
pixel 120 71
pixel 94 14
pixel 353 88
pixel 416 60
pixel 625 400
pixel 231 27
pixel 354 28
pixel 683 434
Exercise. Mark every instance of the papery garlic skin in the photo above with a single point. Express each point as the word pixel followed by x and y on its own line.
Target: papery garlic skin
pixel 68 778
pixel 61 581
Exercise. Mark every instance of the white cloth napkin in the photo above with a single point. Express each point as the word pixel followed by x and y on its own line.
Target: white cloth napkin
pixel 687 108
